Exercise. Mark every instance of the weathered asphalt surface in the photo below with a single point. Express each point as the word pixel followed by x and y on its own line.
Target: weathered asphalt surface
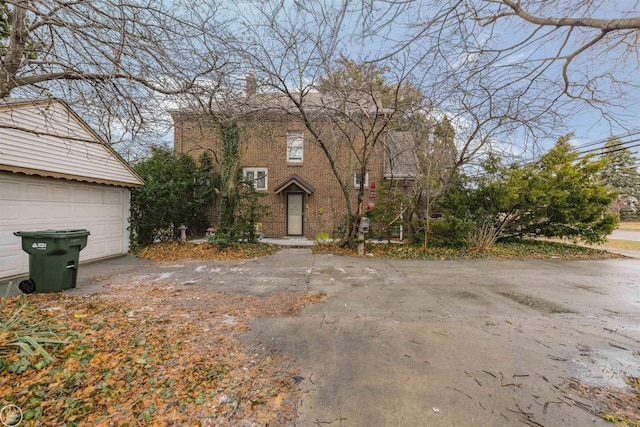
pixel 406 343
pixel 432 343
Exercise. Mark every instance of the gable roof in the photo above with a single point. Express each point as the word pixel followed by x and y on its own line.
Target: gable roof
pixel 295 180
pixel 400 160
pixel 46 138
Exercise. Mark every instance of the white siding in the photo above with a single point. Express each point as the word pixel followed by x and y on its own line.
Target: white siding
pixel 30 203
pixel 36 140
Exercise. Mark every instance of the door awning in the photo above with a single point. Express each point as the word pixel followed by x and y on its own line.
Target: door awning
pixel 297 181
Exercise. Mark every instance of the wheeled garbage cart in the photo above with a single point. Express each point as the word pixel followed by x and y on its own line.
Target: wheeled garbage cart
pixel 53 259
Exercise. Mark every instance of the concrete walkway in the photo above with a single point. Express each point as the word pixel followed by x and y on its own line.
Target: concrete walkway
pixel 632 235
pixel 294 242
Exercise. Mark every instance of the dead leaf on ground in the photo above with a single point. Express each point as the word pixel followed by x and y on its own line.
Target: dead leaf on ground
pixel 153 355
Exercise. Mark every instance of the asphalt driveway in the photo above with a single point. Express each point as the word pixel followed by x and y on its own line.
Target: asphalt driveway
pixel 432 343
pixel 461 343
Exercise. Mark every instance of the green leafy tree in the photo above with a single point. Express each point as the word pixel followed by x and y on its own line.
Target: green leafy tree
pixel 250 211
pixel 177 191
pixel 558 196
pixel 390 207
pixel 571 200
pixel 620 173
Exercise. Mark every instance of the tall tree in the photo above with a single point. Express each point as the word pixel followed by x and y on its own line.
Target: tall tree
pixel 530 61
pixel 111 58
pixel 621 174
pixel 558 196
pixel 367 106
pixel 621 169
pixel 436 157
pixel 229 189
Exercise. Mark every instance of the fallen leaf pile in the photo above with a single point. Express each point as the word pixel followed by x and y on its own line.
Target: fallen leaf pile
pixel 172 251
pixel 155 355
pixel 621 407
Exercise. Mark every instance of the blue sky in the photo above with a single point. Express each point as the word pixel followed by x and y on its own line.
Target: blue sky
pixel 586 122
pixel 622 109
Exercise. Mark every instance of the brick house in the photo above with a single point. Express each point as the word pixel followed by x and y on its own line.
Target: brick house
pixel 283 159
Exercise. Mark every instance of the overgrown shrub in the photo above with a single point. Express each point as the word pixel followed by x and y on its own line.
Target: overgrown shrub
pixel 557 196
pixel 176 191
pixel 451 231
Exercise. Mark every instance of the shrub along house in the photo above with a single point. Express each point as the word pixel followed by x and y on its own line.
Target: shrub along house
pixel 294 166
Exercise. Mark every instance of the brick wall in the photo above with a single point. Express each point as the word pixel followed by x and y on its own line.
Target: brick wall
pixel 263 141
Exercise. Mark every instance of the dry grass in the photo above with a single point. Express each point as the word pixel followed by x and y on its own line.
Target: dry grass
pixel 629 226
pixel 627 245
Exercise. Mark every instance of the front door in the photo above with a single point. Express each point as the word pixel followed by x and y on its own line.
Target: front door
pixel 294 213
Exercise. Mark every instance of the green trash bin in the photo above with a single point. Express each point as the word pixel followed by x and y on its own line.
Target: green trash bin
pixel 53 259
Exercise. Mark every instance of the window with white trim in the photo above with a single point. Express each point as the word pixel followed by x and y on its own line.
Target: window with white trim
pixel 295 146
pixel 357 179
pixel 257 176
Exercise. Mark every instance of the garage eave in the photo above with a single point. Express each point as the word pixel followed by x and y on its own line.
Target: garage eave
pixel 46 138
pixel 50 174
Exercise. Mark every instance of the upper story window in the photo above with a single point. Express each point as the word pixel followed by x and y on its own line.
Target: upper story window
pixel 257 176
pixel 357 179
pixel 295 146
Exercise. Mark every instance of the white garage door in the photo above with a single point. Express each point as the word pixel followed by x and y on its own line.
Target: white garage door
pixel 30 203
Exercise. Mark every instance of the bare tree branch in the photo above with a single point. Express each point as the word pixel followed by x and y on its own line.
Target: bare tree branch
pixel 554 58
pixel 119 59
pixel 605 25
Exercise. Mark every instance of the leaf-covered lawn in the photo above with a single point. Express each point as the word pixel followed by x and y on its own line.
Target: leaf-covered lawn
pixel 173 251
pixel 525 249
pixel 151 355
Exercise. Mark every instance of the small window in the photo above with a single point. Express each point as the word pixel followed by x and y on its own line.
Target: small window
pixel 295 146
pixel 257 176
pixel 357 179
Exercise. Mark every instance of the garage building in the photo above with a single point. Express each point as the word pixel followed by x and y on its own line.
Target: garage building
pixel 56 173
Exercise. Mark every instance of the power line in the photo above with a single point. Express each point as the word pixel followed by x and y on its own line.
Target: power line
pixel 617 149
pixel 602 141
pixel 607 148
pixel 623 148
pixel 599 151
pixel 584 153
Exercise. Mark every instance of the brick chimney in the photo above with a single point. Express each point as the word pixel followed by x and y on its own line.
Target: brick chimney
pixel 250 82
